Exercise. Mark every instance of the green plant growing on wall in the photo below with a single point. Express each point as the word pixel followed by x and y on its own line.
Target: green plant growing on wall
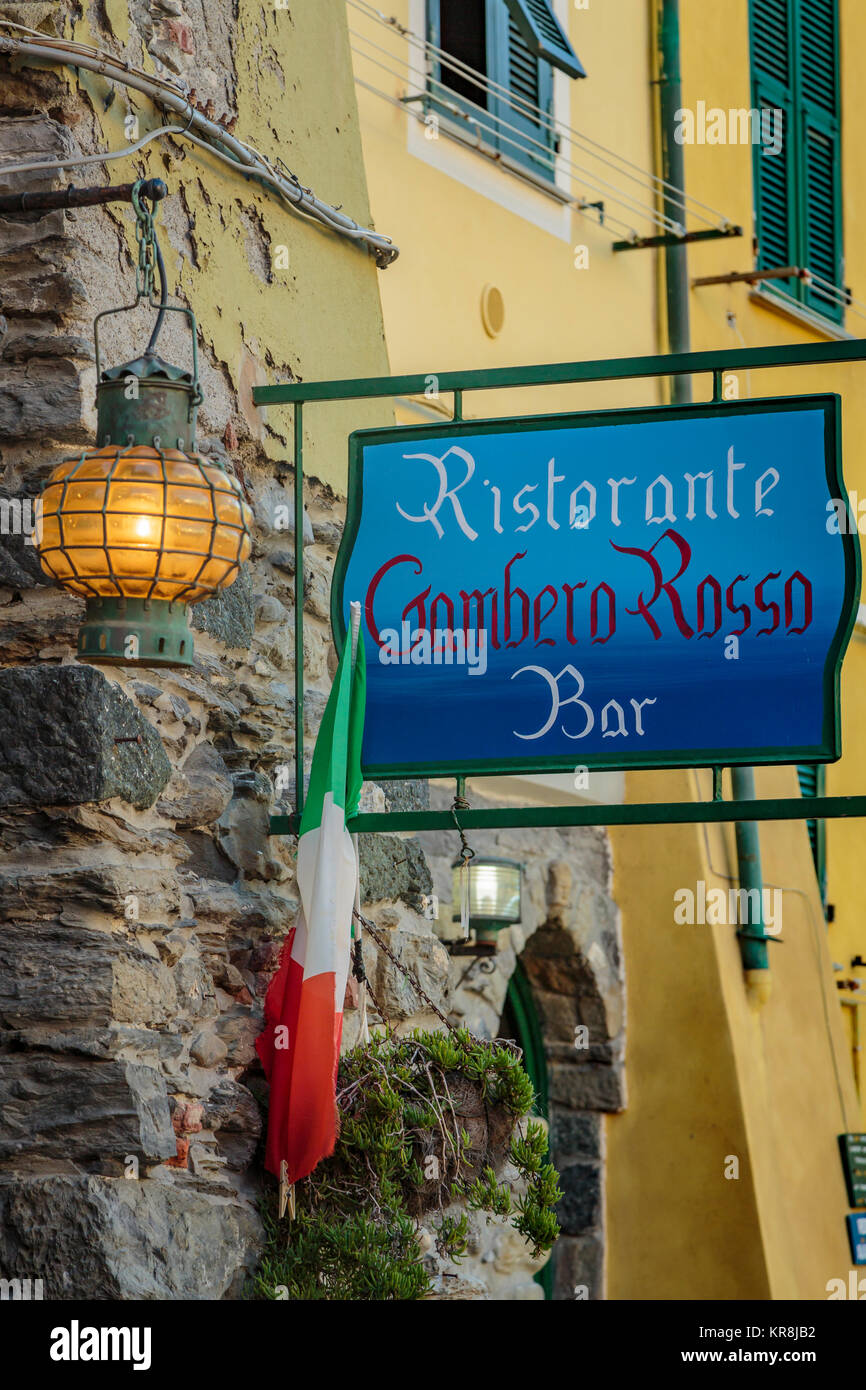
pixel 426 1120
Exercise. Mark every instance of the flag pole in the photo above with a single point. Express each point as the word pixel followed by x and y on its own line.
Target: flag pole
pixel 364 1031
pixel 301 1066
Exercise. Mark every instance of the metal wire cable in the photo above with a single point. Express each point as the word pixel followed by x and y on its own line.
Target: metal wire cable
pixel 653 182
pixel 521 139
pixel 834 294
pixel 627 231
pixel 838 294
pixel 533 113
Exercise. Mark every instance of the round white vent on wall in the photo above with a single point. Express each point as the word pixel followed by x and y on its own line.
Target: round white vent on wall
pixel 492 311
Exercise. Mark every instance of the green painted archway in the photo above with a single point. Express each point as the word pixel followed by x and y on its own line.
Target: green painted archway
pixel 520 1007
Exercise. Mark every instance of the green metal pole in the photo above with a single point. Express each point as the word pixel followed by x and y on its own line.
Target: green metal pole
pixel 673 171
pixel 628 813
pixel 752 935
pixel 809 354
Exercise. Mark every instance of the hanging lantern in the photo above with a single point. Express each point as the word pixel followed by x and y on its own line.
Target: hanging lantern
pixel 494 896
pixel 143 525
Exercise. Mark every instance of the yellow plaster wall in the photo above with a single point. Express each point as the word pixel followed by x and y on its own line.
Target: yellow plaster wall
pixel 778 1083
pixel 676 1228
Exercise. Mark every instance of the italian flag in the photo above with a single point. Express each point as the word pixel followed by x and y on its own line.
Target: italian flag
pixel 300 1045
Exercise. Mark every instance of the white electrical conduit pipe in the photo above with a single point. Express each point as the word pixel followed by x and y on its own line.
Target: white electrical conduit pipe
pixel 165 94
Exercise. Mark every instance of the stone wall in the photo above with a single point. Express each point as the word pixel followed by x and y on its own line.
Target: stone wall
pixel 142 900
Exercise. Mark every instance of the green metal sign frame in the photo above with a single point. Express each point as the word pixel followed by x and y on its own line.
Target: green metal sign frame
pixel 633 761
pixel 299 394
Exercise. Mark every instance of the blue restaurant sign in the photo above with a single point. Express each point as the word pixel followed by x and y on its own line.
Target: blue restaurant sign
pixel 653 588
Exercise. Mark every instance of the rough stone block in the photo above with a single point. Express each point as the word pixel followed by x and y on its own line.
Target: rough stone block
pixel 574 1134
pixel 558 1015
pixel 107 1238
pixel 37 623
pixel 79 1109
pixel 393 869
pixel 71 894
pixel 200 791
pixel 229 615
pixel 581 1204
pixel 244 829
pixel 579 1267
pixel 415 946
pixel 207 1049
pixel 19 559
pixel 232 1112
pixel 59 727
pixel 53 975
pixel 407 794
pixel 592 1086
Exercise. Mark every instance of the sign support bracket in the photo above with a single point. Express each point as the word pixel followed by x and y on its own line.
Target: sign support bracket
pixel 716 363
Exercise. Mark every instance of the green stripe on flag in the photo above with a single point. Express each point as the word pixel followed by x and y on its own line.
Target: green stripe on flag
pixel 337 755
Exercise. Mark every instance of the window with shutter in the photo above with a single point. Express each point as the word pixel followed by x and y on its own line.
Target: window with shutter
pixel 512 47
pixel 798 203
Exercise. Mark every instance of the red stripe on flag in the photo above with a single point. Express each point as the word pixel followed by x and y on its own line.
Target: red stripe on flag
pixel 302 1123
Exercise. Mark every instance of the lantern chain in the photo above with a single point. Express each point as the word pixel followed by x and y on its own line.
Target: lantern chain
pixel 462 1036
pixel 461 804
pixel 145 235
pixel 150 260
pixel 467 854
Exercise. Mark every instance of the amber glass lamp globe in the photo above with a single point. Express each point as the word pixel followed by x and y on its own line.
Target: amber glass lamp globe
pixel 143 525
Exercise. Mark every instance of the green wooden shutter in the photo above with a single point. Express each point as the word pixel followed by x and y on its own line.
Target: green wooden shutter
pixel 772 49
pixel 818 26
pixel 775 175
pixel 544 36
pixel 812 783
pixel 524 135
pixel 823 250
pixel 522 67
pixel 821 153
pixel 798 203
pixel 776 191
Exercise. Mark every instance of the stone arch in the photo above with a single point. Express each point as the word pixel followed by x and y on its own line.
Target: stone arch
pixel 569 945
